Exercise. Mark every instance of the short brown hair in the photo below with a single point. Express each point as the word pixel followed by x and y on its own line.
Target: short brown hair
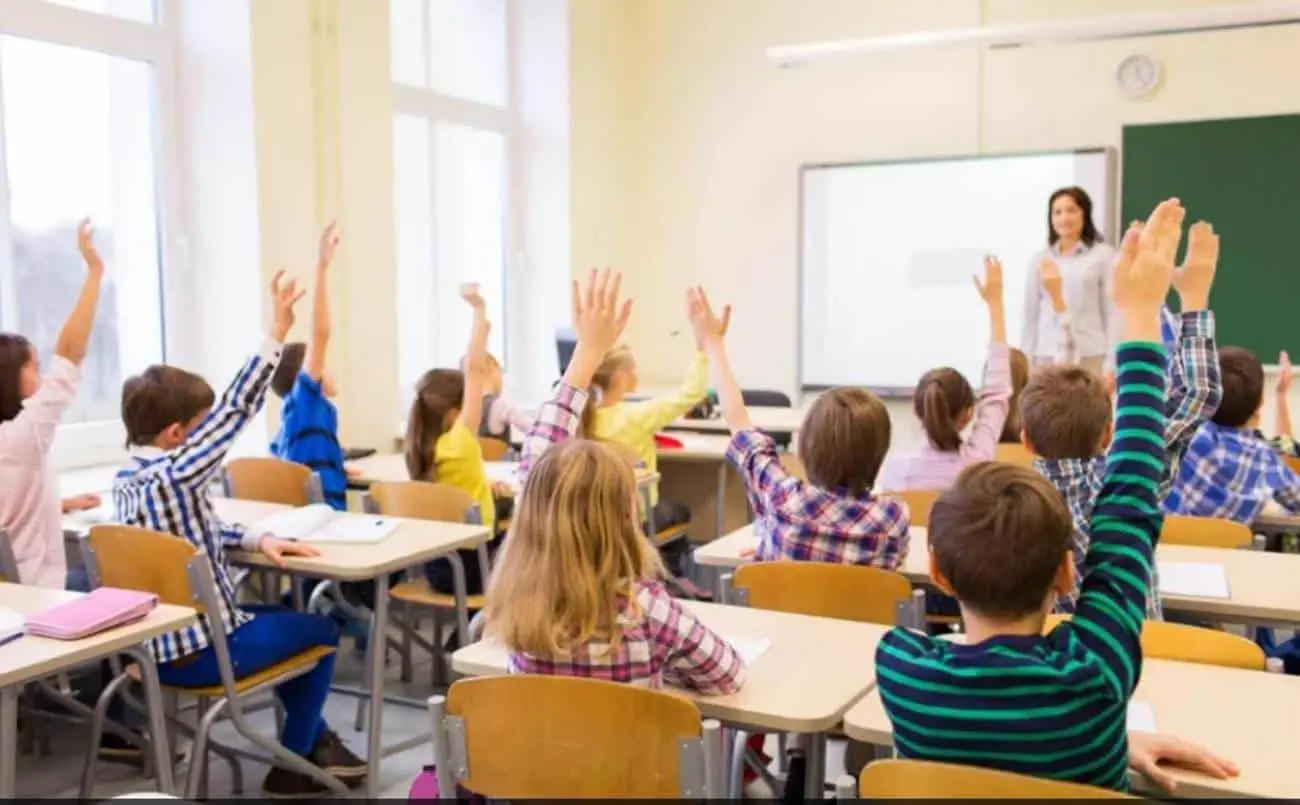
pixel 940 399
pixel 286 374
pixel 15 352
pixel 844 439
pixel 1019 378
pixel 1065 412
pixel 160 397
pixel 999 536
pixel 1243 387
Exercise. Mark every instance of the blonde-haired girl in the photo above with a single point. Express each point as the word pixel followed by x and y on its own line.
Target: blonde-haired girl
pixel 576 588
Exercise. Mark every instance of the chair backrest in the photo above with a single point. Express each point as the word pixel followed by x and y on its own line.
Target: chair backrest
pixel 1205 532
pixel 847 592
pixel 269 480
pixel 553 737
pixel 1294 463
pixel 133 558
pixel 8 562
pixel 1178 641
pixel 493 449
pixel 422 500
pixel 919 502
pixel 896 779
pixel 765 398
pixel 1013 453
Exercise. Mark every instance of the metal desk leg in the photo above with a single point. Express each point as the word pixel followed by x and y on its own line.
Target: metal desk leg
pixel 815 784
pixel 378 649
pixel 459 587
pixel 722 498
pixel 162 756
pixel 8 741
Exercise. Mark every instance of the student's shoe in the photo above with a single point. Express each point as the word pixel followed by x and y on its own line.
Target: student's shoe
pixel 332 755
pixel 285 784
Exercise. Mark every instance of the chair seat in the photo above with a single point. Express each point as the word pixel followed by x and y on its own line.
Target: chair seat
pixel 309 657
pixel 419 593
pixel 672 532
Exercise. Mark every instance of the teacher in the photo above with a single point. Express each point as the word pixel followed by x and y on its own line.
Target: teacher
pixel 1083 260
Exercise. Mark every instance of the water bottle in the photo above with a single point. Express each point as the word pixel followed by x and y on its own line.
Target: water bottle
pixel 1274 665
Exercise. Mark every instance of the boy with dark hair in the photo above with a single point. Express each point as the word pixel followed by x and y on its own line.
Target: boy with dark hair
pixel 1051 705
pixel 178 435
pixel 1066 412
pixel 1229 470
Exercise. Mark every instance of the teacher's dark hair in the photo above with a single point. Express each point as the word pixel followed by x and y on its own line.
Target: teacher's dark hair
pixel 1090 235
pixel 15 352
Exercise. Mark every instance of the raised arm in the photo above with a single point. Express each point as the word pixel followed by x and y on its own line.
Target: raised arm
pixel 995 397
pixel 198 459
pixel 74 338
pixel 1282 399
pixel 599 316
pixel 1126 519
pixel 476 361
pixel 1067 345
pixel 314 363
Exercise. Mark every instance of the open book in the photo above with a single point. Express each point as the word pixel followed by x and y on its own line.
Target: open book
pixel 319 523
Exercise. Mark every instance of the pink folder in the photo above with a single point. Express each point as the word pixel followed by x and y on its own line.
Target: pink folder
pixel 92 613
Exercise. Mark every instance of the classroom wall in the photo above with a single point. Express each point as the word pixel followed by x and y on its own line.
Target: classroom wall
pixel 686 143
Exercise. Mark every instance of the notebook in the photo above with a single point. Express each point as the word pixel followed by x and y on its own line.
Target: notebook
pixel 1141 718
pixel 12 626
pixel 318 523
pixel 92 613
pixel 749 648
pixel 1195 579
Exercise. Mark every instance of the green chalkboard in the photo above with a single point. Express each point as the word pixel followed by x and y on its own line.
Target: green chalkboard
pixel 1243 176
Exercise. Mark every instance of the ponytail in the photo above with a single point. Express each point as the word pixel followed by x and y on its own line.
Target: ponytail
pixel 941 398
pixel 601 380
pixel 437 394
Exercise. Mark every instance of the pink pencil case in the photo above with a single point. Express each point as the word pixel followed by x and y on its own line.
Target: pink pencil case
pixel 92 613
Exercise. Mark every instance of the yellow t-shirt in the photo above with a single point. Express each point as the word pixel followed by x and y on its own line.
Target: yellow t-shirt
pixel 634 424
pixel 458 460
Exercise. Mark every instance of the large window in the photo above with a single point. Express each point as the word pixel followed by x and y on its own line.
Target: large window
pixel 453 132
pixel 82 90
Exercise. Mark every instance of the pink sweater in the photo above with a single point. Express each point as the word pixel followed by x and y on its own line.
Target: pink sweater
pixel 31 511
pixel 929 468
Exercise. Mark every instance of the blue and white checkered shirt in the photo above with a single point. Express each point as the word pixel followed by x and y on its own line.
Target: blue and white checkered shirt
pixel 1232 473
pixel 1193 396
pixel 169 492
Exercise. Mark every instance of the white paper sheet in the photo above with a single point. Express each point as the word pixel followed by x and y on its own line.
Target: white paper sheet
pixel 750 648
pixel 320 523
pixel 12 625
pixel 1141 718
pixel 1193 578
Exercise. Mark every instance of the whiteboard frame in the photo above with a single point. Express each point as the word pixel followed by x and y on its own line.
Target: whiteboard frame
pixel 1109 229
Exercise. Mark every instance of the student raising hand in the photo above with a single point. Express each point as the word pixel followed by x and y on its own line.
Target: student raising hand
pixel 990 290
pixel 599 317
pixel 707 326
pixel 1194 278
pixel 1144 272
pixel 284 295
pixel 710 330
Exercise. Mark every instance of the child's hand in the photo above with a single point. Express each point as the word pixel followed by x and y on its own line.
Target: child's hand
pixel 990 289
pixel 277 549
pixel 1146 751
pixel 470 293
pixel 709 328
pixel 1049 276
pixel 1283 373
pixel 80 503
pixel 284 295
pixel 1145 267
pixel 598 315
pixel 86 245
pixel 329 243
pixel 1195 278
pixel 502 490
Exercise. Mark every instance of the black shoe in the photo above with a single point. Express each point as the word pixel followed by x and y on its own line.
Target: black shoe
pixel 284 784
pixel 795 779
pixel 332 755
pixel 116 749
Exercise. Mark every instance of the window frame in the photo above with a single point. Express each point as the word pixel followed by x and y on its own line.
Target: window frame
pixel 96 443
pixel 506 120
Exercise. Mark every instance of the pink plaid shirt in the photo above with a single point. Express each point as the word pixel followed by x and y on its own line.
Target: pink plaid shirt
pixel 797 520
pixel 662 642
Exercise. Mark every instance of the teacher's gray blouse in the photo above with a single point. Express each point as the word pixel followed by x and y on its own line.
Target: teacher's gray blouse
pixel 1085 276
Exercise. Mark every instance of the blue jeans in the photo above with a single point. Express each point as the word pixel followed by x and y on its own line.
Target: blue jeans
pixel 273 636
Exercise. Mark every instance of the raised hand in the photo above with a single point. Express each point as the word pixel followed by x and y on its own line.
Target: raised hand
pixel 709 328
pixel 599 316
pixel 470 293
pixel 284 295
pixel 1283 373
pixel 1145 267
pixel 990 290
pixel 86 245
pixel 1194 279
pixel 329 244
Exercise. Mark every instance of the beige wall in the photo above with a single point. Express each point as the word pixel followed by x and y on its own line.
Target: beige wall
pixel 686 143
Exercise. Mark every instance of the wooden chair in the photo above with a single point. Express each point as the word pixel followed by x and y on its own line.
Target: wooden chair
pixel 1293 462
pixel 175 571
pixel 493 449
pixel 919 502
pixel 922 779
pixel 1178 641
pixel 1205 532
pixel 271 480
pixel 421 500
pixel 822 589
pixel 553 737
pixel 1013 453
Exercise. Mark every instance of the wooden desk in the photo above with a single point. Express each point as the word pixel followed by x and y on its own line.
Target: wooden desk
pixel 697 476
pixel 1231 712
pixel 765 418
pixel 391 468
pixel 1263 586
pixel 29 658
